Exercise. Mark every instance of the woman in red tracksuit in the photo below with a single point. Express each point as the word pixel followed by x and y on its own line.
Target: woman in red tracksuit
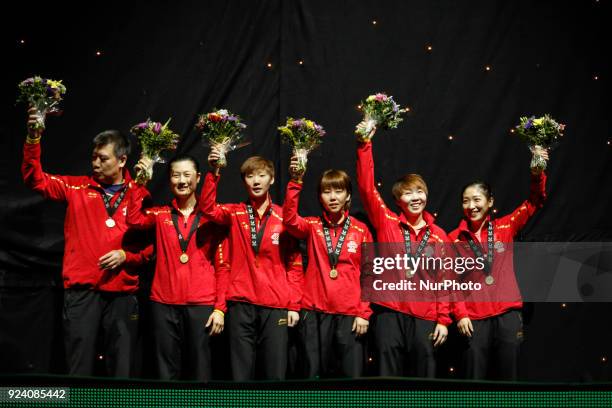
pixel 264 288
pixel 406 333
pixel 491 318
pixel 333 318
pixel 188 291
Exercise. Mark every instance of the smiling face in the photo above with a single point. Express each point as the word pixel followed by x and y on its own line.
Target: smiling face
pixel 410 193
pixel 106 166
pixel 412 200
pixel 184 179
pixel 476 203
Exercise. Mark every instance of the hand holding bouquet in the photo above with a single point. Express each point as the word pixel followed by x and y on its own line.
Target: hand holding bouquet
pixel 304 136
pixel 378 110
pixel 221 129
pixel 42 94
pixel 153 138
pixel 540 134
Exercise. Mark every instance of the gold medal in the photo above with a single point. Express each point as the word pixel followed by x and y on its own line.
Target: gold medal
pixel 489 280
pixel 110 223
pixel 333 273
pixel 184 258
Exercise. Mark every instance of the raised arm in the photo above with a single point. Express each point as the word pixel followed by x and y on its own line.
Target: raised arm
pixel 372 201
pixel 52 187
pixel 219 214
pixel 293 223
pixel 138 216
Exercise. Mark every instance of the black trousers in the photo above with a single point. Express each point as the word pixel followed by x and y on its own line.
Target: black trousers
pixel 404 344
pixel 180 335
pixel 258 339
pixel 85 312
pixel 495 343
pixel 328 341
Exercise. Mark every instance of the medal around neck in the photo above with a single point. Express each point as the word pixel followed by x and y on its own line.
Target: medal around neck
pixel 184 258
pixel 110 223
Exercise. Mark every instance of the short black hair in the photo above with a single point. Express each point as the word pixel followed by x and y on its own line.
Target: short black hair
pixel 121 144
pixel 184 157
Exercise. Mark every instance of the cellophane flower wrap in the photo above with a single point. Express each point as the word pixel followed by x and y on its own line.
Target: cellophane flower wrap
pixel 303 135
pixel 153 138
pixel 379 110
pixel 221 129
pixel 542 132
pixel 42 94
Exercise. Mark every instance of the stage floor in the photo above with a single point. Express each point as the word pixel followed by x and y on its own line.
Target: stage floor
pixel 363 392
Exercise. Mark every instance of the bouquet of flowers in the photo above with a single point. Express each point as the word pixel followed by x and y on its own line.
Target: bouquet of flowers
pixel 221 129
pixel 153 138
pixel 543 131
pixel 42 94
pixel 304 136
pixel 378 110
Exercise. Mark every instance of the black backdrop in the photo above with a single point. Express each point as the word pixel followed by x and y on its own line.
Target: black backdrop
pixel 163 60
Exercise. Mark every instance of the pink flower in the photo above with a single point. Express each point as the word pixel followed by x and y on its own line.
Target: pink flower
pixel 380 97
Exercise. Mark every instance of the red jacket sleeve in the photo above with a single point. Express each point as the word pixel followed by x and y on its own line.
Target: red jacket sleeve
pixel 222 274
pixel 295 225
pixel 372 201
pixel 364 308
pixel 139 217
pixel 295 275
pixel 443 301
pixel 50 186
pixel 458 310
pixel 537 196
pixel 214 212
pixel 141 257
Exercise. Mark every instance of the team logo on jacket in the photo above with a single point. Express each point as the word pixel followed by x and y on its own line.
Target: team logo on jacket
pixel 351 246
pixel 275 236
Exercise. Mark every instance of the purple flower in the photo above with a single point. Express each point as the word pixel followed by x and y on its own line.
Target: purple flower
pixel 298 123
pixel 529 124
pixel 157 127
pixel 232 118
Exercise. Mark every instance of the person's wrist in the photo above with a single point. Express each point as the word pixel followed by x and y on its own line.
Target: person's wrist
pixel 33 137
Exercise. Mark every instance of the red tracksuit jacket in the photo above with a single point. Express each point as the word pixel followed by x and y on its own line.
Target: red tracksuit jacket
pixel 321 293
pixel 196 282
pixel 86 235
pixel 388 230
pixel 272 278
pixel 504 230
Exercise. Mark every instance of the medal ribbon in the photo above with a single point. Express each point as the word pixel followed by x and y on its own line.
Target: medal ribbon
pixel 256 236
pixel 184 243
pixel 334 253
pixel 478 250
pixel 110 210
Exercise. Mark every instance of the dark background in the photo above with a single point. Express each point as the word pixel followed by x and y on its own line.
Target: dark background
pixel 163 60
